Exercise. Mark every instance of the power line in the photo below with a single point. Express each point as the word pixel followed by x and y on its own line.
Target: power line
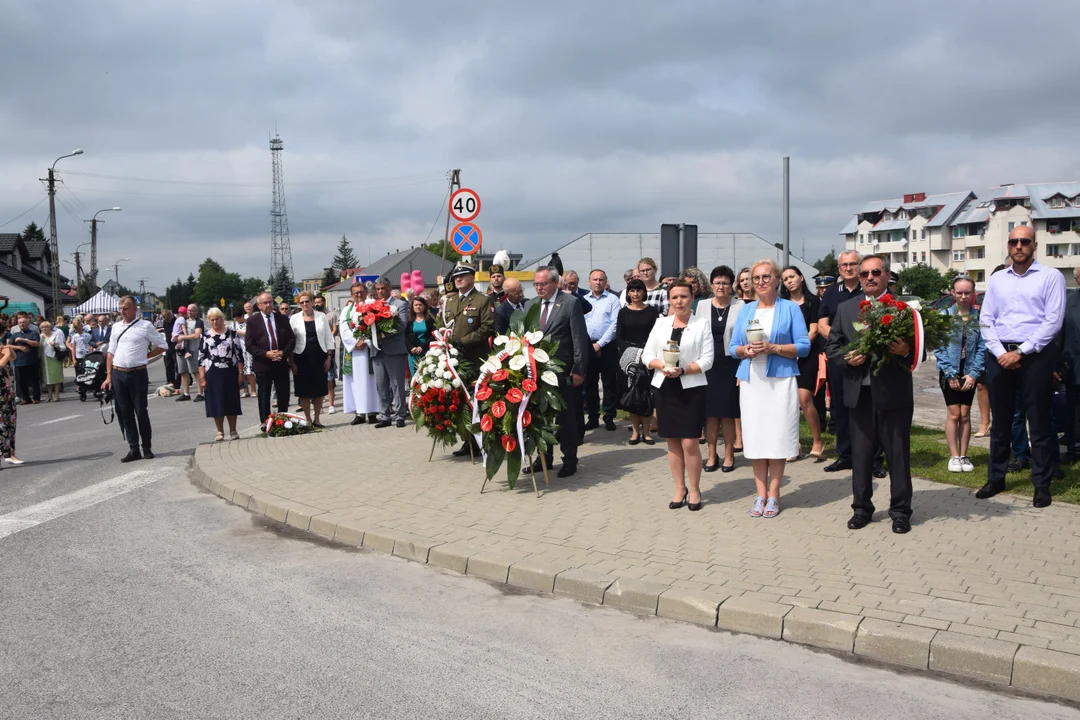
pixel 24 212
pixel 165 181
pixel 442 206
pixel 254 193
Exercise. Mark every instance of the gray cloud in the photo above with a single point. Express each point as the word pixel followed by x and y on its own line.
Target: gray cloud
pixel 567 117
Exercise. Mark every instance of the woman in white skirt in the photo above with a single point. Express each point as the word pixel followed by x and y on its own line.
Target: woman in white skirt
pixel 768 339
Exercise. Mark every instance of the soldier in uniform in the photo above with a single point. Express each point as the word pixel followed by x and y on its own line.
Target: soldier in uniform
pixel 471 315
pixel 496 277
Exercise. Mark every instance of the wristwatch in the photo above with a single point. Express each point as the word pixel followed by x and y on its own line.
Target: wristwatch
pixel 1020 351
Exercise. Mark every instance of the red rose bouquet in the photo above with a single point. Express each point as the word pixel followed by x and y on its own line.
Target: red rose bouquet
pixel 886 320
pixel 517 400
pixel 438 398
pixel 371 320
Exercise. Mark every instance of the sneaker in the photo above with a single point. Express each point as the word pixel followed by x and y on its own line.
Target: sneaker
pixel 200 398
pixel 966 464
pixel 183 398
pixel 954 465
pixel 331 410
pixel 759 508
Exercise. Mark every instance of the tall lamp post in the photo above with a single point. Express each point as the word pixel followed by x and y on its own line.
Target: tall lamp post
pixel 93 245
pixel 58 307
pixel 116 268
pixel 78 267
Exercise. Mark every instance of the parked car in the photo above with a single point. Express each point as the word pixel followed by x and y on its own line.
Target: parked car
pixel 947 301
pixel 912 300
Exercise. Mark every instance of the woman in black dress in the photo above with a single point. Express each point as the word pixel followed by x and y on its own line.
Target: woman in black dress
pixel 722 396
pixel 311 356
pixel 221 373
pixel 632 329
pixel 794 288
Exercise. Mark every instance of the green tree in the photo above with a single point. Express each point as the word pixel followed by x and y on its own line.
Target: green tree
pixel 215 283
pixel 281 285
pixel 828 265
pixel 330 276
pixel 437 249
pixel 180 293
pixel 922 280
pixel 345 258
pixel 33 232
pixel 252 287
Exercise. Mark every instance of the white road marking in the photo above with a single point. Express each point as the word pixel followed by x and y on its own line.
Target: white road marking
pixel 28 517
pixel 66 417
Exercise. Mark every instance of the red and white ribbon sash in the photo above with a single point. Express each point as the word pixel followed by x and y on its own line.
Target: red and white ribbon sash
pixel 920 340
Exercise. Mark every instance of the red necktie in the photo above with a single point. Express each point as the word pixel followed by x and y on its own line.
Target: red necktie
pixel 270 327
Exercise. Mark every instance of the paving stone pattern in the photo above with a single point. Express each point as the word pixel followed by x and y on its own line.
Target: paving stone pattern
pixel 996 570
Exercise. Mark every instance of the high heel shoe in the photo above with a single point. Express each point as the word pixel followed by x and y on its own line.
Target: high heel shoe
pixel 677 505
pixel 693 507
pixel 984 434
pixel 711 467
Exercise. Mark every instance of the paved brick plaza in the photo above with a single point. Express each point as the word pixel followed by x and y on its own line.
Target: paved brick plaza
pixel 983 569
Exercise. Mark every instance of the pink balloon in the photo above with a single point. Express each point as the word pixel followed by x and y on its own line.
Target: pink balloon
pixel 417 281
pixel 405 281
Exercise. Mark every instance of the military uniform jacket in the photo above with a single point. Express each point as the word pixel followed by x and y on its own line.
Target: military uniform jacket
pixel 472 318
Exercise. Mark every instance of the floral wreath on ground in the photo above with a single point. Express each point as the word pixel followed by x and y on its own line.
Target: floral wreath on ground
pixel 886 320
pixel 287 425
pixel 517 399
pixel 371 320
pixel 439 399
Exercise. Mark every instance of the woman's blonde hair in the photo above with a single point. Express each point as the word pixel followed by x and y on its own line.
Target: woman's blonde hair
pixel 213 313
pixel 45 326
pixel 305 294
pixel 77 323
pixel 773 268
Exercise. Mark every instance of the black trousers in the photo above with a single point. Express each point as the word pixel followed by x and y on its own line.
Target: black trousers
pixel 840 413
pixel 890 430
pixel 28 382
pixel 601 373
pixel 129 401
pixel 170 368
pixel 277 381
pixel 1072 415
pixel 569 432
pixel 1032 387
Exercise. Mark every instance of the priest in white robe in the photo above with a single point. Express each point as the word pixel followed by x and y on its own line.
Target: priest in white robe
pixel 359 393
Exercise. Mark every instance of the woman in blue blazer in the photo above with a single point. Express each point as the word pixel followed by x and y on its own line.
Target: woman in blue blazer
pixel 769 337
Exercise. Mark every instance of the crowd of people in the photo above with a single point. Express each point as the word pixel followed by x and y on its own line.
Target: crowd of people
pixel 732 362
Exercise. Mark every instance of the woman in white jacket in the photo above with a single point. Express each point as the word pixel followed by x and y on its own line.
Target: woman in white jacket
pixel 311 357
pixel 680 394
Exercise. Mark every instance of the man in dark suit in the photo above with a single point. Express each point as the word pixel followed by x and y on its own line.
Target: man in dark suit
pixel 1070 333
pixel 390 362
pixel 270 342
pixel 562 321
pixel 513 299
pixel 881 405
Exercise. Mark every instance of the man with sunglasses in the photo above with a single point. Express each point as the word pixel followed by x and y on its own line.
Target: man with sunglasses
pixel 1021 314
pixel 881 406
pixel 844 289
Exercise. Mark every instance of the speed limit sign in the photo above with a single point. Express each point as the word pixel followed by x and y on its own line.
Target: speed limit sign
pixel 464 205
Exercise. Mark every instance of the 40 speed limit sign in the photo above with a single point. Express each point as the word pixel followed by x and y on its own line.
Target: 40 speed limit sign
pixel 464 205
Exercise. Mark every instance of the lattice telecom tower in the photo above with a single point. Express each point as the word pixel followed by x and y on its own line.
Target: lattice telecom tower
pixel 280 248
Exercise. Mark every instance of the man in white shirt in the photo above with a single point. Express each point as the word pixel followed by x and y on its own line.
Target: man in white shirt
pixel 126 376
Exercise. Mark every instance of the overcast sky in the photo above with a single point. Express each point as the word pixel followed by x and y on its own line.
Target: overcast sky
pixel 566 117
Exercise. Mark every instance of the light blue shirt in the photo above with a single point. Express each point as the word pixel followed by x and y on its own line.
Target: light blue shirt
pixel 600 322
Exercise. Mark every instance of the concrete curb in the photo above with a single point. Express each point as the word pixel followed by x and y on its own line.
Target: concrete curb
pixel 1031 669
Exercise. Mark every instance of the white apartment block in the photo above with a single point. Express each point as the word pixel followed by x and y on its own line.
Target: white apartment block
pixel 968 231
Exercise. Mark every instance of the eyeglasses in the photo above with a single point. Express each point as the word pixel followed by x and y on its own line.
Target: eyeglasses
pixel 646 270
pixel 1013 242
pixel 305 302
pixel 876 272
pixel 539 283
pixel 721 284
pixel 760 279
pixel 849 265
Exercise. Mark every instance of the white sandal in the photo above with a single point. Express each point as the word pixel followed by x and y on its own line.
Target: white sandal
pixel 759 508
pixel 772 508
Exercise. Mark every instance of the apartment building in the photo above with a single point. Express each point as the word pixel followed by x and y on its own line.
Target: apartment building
pixel 968 231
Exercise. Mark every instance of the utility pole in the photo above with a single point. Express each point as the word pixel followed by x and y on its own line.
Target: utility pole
pixel 78 271
pixel 142 295
pixel 455 184
pixel 93 246
pixel 57 307
pixel 787 212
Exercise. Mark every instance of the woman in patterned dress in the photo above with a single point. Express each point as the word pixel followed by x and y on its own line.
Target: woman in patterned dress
pixel 221 373
pixel 7 407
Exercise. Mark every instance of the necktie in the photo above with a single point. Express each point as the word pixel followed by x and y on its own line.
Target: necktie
pixel 270 327
pixel 544 315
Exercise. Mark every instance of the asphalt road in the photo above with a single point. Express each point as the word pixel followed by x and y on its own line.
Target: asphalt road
pixel 127 592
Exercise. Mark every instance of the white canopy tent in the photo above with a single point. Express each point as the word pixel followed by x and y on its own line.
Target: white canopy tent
pixel 103 302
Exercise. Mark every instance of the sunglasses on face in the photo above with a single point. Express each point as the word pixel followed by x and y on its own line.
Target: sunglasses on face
pixel 1013 242
pixel 876 272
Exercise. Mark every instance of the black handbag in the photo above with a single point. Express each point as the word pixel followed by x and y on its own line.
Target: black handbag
pixel 637 398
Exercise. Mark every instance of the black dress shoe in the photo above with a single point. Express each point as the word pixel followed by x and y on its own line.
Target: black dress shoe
pixel 373 418
pixel 132 455
pixel 736 449
pixel 1059 473
pixel 901 525
pixel 382 424
pixel 711 467
pixel 677 505
pixel 609 424
pixel 592 424
pixel 989 490
pixel 837 466
pixel 148 454
pixel 727 468
pixel 400 423
pixel 858 521
pixel 567 470
pixel 1042 499
pixel 358 420
pixel 1017 466
pixel 535 469
pixel 879 471
pixel 462 451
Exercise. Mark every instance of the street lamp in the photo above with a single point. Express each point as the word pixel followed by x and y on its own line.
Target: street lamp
pixel 54 248
pixel 116 268
pixel 78 267
pixel 93 244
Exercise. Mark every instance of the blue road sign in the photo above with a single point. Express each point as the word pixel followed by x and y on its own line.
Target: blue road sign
pixel 295 292
pixel 466 238
pixel 138 300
